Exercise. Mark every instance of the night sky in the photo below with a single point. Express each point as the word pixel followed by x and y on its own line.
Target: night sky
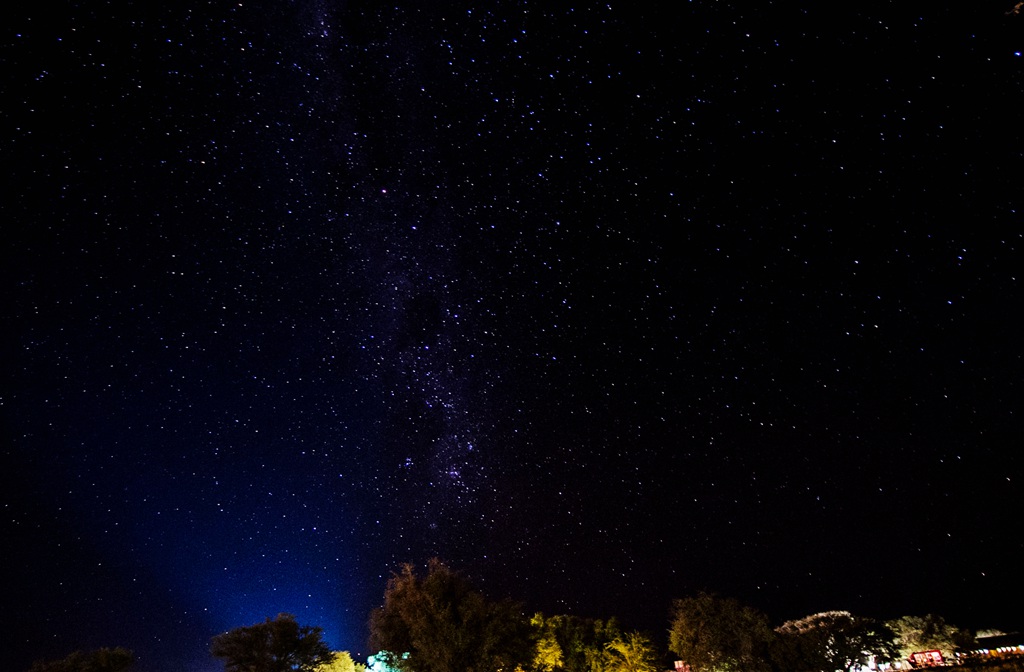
pixel 603 305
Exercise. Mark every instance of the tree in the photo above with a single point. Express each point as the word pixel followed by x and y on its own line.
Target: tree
pixel 342 662
pixel 927 633
pixel 716 634
pixel 547 655
pixel 279 645
pixel 446 626
pixel 572 644
pixel 100 660
pixel 594 645
pixel 833 640
pixel 632 652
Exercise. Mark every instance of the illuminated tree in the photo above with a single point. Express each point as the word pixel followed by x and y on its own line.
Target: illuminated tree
pixel 716 634
pixel 594 651
pixel 578 642
pixel 547 655
pixel 631 652
pixel 384 661
pixel 446 626
pixel 833 640
pixel 279 645
pixel 342 662
pixel 100 660
pixel 926 633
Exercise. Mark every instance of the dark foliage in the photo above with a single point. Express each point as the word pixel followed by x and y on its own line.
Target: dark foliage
pixel 279 645
pixel 717 633
pixel 100 660
pixel 446 626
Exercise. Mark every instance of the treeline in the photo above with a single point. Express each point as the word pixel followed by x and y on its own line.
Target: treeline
pixel 437 622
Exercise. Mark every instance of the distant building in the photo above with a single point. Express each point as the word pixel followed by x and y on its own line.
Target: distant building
pixel 1000 645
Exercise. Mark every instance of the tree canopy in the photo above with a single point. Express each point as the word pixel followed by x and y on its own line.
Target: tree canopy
pixel 568 643
pixel 632 652
pixel 717 634
pixel 279 645
pixel 832 640
pixel 926 633
pixel 101 660
pixel 342 662
pixel 446 626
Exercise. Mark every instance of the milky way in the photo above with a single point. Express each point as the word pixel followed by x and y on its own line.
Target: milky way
pixel 602 305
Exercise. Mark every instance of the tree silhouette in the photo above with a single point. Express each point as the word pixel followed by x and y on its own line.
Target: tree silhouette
pixel 446 626
pixel 100 660
pixel 279 645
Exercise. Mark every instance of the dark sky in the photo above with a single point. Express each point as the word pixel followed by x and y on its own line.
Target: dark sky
pixel 603 305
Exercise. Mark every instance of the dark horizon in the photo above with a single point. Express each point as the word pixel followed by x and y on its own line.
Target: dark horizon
pixel 603 305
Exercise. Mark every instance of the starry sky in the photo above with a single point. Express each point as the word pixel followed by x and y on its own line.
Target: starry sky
pixel 602 304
